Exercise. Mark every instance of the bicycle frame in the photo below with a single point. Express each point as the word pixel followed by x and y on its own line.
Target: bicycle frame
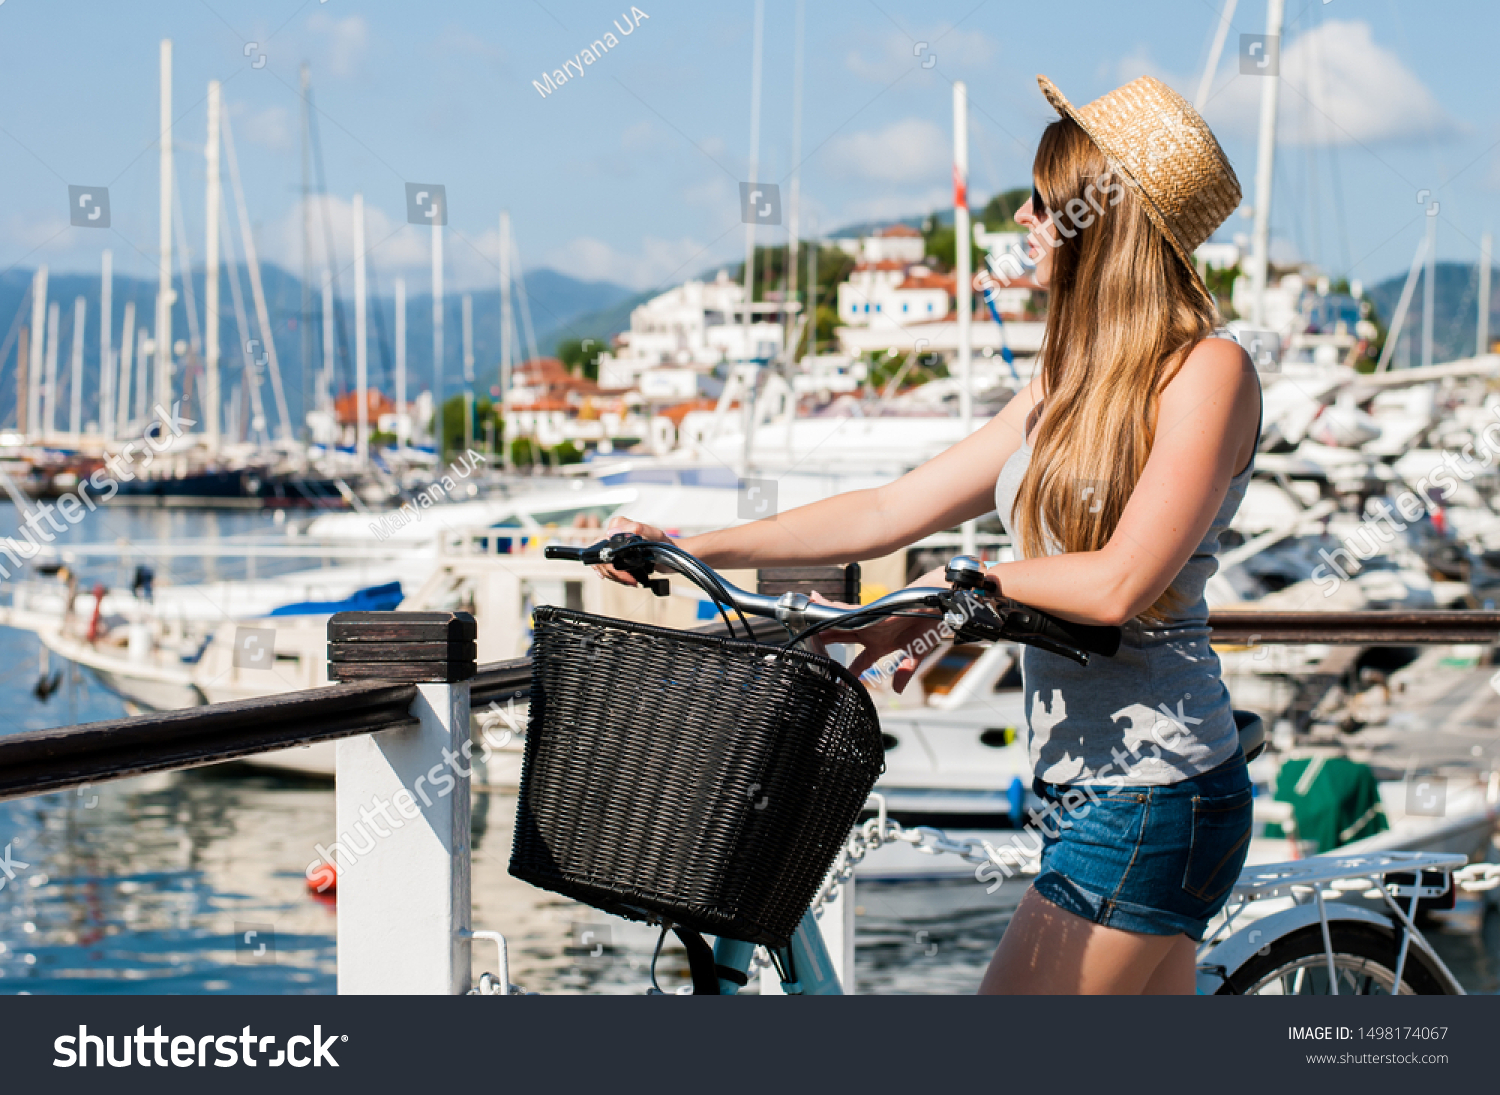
pixel 805 964
pixel 1305 883
pixel 810 962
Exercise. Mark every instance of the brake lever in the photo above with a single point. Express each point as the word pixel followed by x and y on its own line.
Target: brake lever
pixel 1041 642
pixel 972 619
pixel 625 551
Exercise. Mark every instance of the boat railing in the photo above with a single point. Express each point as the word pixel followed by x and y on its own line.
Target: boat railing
pixel 401 713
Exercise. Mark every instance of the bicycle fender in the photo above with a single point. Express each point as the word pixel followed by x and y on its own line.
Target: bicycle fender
pixel 1225 960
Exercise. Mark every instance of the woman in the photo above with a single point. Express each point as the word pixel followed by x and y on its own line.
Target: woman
pixel 1114 470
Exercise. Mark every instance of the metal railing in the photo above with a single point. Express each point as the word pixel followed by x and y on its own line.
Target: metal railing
pixel 403 909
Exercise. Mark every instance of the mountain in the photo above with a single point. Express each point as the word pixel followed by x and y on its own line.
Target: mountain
pixel 1454 311
pixel 561 307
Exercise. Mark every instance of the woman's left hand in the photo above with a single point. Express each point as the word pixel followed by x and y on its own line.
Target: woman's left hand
pixel 896 633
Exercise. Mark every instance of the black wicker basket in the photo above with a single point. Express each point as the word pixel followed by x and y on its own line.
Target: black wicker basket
pixel 689 779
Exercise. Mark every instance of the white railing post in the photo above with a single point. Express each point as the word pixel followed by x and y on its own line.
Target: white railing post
pixel 837 926
pixel 402 843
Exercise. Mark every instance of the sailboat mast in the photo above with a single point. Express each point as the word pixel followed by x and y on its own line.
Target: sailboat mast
pixel 106 346
pixel 308 350
pixel 962 288
pixel 164 294
pixel 211 394
pixel 361 361
pixel 75 371
pixel 437 341
pixel 121 409
pixel 507 326
pixel 1265 159
pixel 748 399
pixel 468 336
pixel 1482 331
pixel 1429 288
pixel 38 350
pixel 403 435
pixel 793 245
pixel 325 388
pixel 53 320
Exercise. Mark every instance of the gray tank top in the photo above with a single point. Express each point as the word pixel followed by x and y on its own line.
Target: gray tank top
pixel 1157 712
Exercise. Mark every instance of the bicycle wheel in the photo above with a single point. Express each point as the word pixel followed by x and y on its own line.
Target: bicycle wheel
pixel 1364 959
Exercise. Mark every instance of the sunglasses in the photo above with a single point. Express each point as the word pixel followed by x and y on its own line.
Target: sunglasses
pixel 1038 206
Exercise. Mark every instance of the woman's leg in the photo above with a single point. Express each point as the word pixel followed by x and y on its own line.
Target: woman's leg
pixel 1178 973
pixel 1049 951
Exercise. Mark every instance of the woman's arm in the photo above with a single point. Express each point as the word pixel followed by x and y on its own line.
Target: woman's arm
pixel 952 487
pixel 1206 426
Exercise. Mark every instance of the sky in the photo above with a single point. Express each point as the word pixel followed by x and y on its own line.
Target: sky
pixel 630 171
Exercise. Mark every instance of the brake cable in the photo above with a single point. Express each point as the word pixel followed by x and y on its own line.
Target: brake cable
pixel 699 574
pixel 869 610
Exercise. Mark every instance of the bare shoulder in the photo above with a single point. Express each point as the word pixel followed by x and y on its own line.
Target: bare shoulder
pixel 1217 387
pixel 1220 362
pixel 1216 369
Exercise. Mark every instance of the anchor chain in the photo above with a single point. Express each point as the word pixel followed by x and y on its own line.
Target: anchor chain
pixel 1478 877
pixel 880 830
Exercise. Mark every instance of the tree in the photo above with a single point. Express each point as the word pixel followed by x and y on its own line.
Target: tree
pixel 834 266
pixel 940 248
pixel 581 355
pixel 453 422
pixel 1220 282
pixel 771 269
pixel 523 452
pixel 1000 214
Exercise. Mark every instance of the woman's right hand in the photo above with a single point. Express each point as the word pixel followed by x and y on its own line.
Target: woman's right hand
pixel 624 524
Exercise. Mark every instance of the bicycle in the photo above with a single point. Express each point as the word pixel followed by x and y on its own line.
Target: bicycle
pixel 1311 945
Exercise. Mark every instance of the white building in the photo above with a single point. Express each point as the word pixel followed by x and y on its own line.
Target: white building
pixel 689 330
pixel 893 243
pixel 1218 256
pixel 895 290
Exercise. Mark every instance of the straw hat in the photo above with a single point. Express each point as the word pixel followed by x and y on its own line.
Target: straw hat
pixel 1165 153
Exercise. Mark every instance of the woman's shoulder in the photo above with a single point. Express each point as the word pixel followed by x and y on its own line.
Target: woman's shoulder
pixel 1216 362
pixel 1215 368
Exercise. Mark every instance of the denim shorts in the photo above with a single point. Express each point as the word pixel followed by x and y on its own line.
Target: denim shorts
pixel 1158 860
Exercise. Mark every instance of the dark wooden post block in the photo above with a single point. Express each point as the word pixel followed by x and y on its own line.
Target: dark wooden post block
pixel 837 583
pixel 402 646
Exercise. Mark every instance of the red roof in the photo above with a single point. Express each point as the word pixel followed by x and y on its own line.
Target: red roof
pixel 346 406
pixel 930 281
pixel 678 411
pixel 550 373
pixel 545 403
pixel 905 230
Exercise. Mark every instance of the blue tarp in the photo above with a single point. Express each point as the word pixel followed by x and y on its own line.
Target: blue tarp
pixel 372 599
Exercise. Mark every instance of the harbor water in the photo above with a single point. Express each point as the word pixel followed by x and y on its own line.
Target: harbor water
pixel 194 882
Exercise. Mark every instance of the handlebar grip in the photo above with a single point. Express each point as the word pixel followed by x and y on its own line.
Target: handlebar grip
pixel 563 551
pixel 1095 638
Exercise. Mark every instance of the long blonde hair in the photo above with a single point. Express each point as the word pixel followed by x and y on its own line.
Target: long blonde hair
pixel 1124 313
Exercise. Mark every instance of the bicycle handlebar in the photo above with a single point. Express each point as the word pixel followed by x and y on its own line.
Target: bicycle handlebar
pixel 970 608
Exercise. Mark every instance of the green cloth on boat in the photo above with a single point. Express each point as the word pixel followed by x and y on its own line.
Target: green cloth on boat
pixel 1335 800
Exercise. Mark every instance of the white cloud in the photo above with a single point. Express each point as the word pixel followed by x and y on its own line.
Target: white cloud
pixel 898 51
pixel 346 40
pixel 654 262
pixel 906 151
pixel 270 128
pixel 1339 86
pixel 888 206
pixel 717 193
pixel 390 242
